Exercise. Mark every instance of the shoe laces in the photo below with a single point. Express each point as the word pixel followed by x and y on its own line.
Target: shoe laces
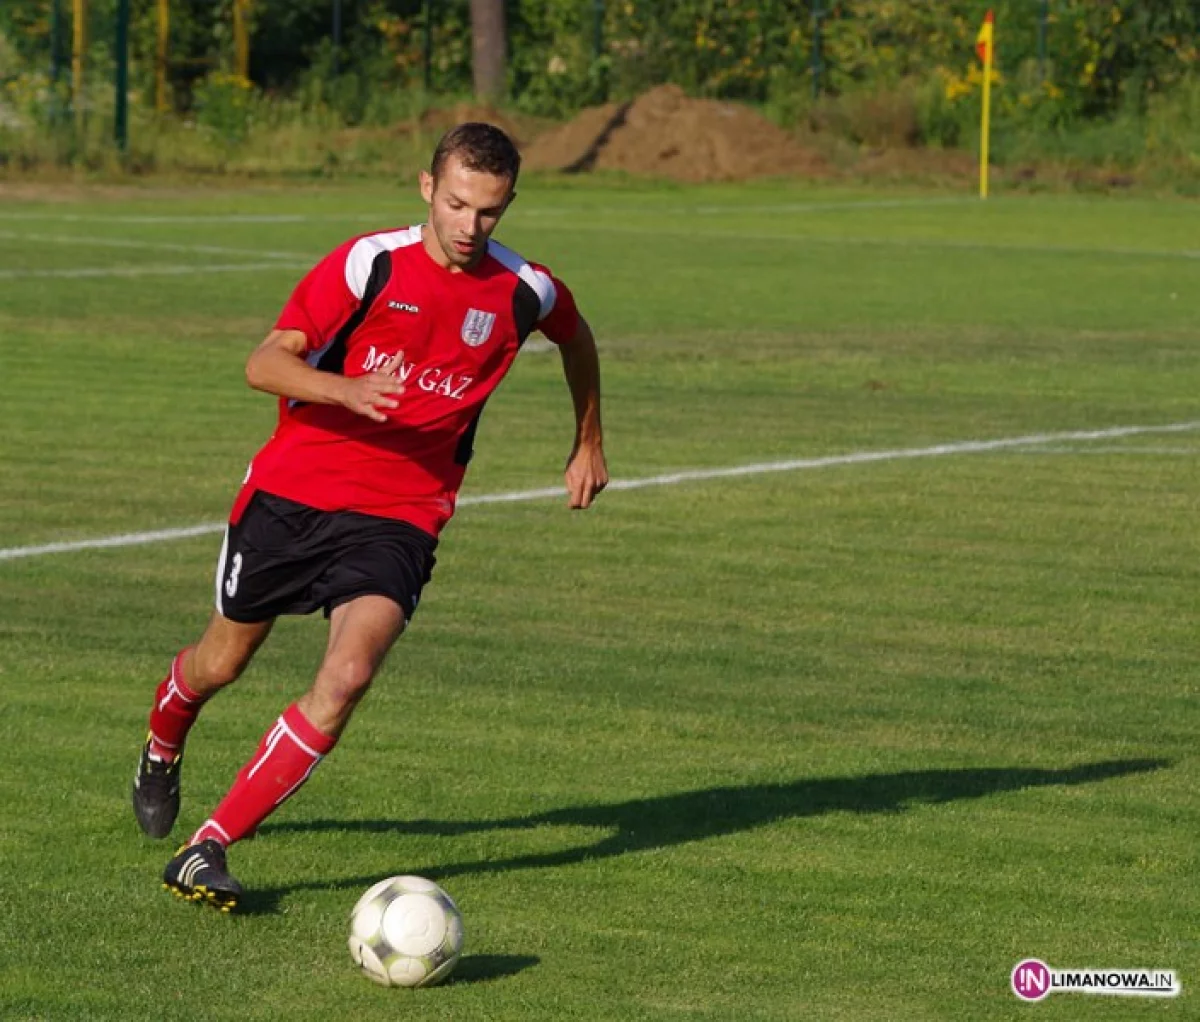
pixel 157 772
pixel 214 851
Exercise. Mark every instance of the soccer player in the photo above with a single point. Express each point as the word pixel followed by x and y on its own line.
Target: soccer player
pixel 382 359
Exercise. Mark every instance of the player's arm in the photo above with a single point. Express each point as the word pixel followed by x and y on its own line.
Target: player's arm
pixel 586 473
pixel 278 366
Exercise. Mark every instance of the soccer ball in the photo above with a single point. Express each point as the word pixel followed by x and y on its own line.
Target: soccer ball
pixel 406 932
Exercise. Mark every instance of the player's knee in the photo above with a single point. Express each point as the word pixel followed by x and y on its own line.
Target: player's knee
pixel 215 670
pixel 345 681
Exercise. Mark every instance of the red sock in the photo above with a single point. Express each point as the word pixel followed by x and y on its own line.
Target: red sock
pixel 287 754
pixel 175 710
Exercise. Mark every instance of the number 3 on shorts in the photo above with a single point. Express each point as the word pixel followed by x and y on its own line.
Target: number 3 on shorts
pixel 231 583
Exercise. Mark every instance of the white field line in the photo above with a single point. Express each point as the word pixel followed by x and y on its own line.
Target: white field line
pixel 1141 450
pixel 667 479
pixel 192 269
pixel 305 260
pixel 83 241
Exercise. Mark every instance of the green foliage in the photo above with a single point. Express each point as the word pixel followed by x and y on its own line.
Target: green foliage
pixel 557 67
pixel 224 105
pixel 890 73
pixel 26 28
pixel 722 48
pixel 564 53
pixel 1124 52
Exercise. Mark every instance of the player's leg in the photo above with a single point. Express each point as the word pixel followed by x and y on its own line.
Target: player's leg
pixel 197 673
pixel 255 580
pixel 368 573
pixel 361 633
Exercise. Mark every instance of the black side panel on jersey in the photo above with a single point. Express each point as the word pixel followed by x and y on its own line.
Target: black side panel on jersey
pixel 466 442
pixel 526 306
pixel 334 359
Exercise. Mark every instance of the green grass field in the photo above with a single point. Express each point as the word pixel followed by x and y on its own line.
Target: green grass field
pixel 844 741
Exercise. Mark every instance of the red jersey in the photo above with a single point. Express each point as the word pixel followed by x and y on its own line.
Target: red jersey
pixel 370 298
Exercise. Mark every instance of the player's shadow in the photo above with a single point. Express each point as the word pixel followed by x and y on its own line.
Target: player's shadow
pixel 665 820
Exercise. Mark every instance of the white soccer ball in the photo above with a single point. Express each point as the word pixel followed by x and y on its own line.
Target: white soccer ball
pixel 406 932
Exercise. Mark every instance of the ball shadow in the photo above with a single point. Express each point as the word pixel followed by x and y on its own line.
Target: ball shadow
pixel 486 968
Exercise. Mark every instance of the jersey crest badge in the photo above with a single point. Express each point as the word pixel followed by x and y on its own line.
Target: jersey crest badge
pixel 477 327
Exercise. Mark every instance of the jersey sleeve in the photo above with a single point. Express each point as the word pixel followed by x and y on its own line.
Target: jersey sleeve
pixel 323 300
pixel 562 320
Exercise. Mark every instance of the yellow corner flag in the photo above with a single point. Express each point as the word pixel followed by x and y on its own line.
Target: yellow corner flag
pixel 985 46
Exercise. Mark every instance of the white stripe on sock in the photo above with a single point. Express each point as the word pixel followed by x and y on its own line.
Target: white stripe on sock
pixel 273 737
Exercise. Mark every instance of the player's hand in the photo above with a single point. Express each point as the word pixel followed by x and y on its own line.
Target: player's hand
pixel 586 475
pixel 374 394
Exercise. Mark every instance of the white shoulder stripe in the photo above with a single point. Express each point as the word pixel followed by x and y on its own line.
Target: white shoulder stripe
pixel 541 283
pixel 362 255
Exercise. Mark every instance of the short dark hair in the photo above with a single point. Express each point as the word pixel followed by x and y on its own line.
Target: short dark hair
pixel 480 147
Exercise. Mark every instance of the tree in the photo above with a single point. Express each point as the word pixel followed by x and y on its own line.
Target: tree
pixel 489 49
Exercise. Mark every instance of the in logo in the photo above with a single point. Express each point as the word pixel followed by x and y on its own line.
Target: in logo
pixel 477 327
pixel 1031 980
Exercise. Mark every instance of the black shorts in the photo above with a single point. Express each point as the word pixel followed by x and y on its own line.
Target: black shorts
pixel 287 558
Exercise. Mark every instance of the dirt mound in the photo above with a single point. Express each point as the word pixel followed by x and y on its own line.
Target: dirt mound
pixel 668 134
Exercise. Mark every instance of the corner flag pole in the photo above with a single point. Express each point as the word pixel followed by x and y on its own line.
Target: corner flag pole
pixel 985 46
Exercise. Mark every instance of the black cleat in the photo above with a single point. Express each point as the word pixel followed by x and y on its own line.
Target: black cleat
pixel 197 873
pixel 156 793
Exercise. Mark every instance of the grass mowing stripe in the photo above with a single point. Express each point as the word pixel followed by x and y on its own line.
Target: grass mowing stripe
pixel 905 243
pixel 158 246
pixel 667 479
pixel 149 271
pixel 848 205
pixel 199 218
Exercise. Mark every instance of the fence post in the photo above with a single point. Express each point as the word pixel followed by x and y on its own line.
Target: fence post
pixel 121 77
pixel 78 56
pixel 817 15
pixel 337 37
pixel 56 58
pixel 56 27
pixel 241 39
pixel 427 17
pixel 1043 19
pixel 161 57
pixel 597 29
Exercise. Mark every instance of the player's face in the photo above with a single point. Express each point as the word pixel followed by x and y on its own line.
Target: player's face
pixel 464 208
